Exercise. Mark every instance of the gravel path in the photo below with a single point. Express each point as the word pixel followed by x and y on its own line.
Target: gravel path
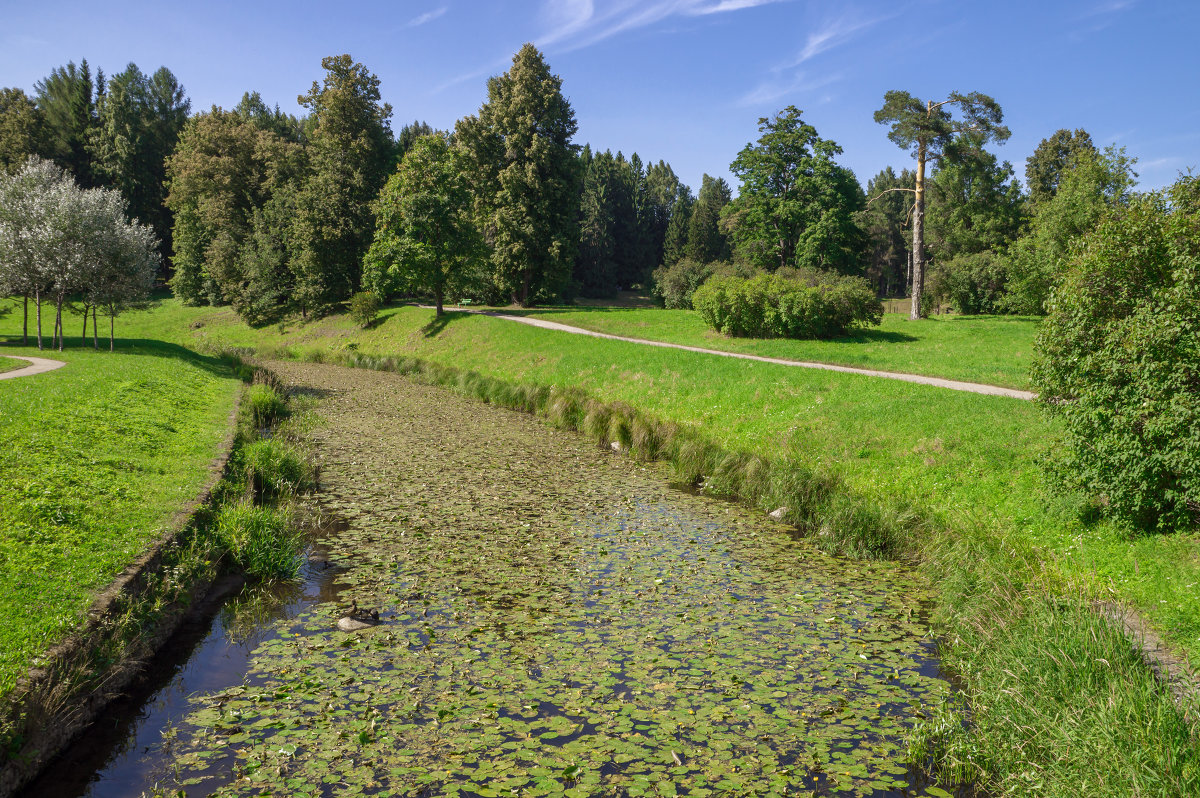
pixel 954 385
pixel 38 365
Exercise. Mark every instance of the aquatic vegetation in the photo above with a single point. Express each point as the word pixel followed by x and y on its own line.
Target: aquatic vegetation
pixel 554 620
pixel 263 541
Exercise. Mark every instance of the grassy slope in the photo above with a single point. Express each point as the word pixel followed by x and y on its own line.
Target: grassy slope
pixel 969 460
pixel 96 458
pixel 8 364
pixel 995 350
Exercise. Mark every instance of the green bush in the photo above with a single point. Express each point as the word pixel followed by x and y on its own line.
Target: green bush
pixel 1119 361
pixel 674 284
pixel 364 308
pixel 971 283
pixel 790 303
pixel 266 405
pixel 273 468
pixel 263 541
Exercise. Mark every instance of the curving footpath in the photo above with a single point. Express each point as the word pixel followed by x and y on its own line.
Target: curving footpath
pixel 38 365
pixel 954 385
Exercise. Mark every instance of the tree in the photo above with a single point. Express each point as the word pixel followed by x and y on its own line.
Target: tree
pixel 1092 185
pixel 662 192
pixel 227 165
pixel 884 221
pixel 25 233
pixel 139 121
pixel 975 204
pixel 925 129
pixel 68 100
pixel 796 205
pixel 1118 360
pixel 706 242
pixel 425 237
pixel 409 134
pixel 59 239
pixel 675 239
pixel 350 152
pixel 22 127
pixel 1053 156
pixel 595 271
pixel 525 178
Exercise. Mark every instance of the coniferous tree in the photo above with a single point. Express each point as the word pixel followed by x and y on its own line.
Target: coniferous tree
pixel 525 177
pixel 139 120
pixel 68 99
pixel 408 136
pixel 662 190
pixel 706 242
pixel 925 129
pixel 595 271
pixel 350 152
pixel 975 203
pixel 885 222
pixel 676 237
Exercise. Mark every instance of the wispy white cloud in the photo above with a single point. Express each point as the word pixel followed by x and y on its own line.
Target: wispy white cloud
pixel 428 16
pixel 569 25
pixel 835 33
pixel 1108 7
pixel 799 82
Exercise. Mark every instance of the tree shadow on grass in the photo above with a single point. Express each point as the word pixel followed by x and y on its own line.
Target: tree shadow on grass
pixel 220 365
pixel 875 337
pixel 438 323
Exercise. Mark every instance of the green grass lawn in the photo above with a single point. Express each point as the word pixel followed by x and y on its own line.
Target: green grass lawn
pixel 95 459
pixel 9 364
pixel 994 350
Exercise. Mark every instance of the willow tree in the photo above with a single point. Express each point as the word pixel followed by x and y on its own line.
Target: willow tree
pixel 926 129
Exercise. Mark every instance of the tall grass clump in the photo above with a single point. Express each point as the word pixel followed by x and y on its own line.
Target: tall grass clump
pixel 273 469
pixel 266 405
pixel 1060 701
pixel 263 541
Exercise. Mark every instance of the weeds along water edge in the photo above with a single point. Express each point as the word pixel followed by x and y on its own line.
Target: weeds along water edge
pixel 1056 699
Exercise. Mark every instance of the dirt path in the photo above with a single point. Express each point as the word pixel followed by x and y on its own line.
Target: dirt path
pixel 38 365
pixel 954 385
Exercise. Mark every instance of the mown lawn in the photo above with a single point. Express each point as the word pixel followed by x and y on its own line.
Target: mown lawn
pixel 967 460
pixel 10 364
pixel 994 350
pixel 95 459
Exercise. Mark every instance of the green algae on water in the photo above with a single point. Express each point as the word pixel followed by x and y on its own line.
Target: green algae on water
pixel 556 621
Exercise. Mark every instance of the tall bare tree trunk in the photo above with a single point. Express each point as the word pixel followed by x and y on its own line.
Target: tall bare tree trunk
pixel 37 298
pixel 112 326
pixel 95 338
pixel 437 293
pixel 58 322
pixel 918 247
pixel 83 337
pixel 25 324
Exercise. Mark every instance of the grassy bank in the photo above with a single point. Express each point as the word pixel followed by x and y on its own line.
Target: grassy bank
pixel 994 350
pixel 8 364
pixel 97 458
pixel 956 477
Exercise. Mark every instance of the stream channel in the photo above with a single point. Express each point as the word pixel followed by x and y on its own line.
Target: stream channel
pixel 554 620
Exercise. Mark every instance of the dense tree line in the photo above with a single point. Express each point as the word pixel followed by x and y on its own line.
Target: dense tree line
pixel 276 214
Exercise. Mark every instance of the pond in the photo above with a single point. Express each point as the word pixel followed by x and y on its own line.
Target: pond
pixel 554 619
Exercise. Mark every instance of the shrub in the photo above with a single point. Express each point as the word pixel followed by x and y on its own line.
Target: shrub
pixel 790 303
pixel 364 308
pixel 263 541
pixel 674 284
pixel 1119 361
pixel 273 468
pixel 971 283
pixel 266 405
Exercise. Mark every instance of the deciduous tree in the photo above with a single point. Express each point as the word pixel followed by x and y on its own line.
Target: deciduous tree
pixel 425 238
pixel 796 205
pixel 22 127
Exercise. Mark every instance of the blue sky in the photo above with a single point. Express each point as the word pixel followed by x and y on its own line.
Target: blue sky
pixel 679 80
